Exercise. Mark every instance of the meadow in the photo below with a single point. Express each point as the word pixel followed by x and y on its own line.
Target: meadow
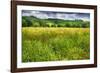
pixel 55 44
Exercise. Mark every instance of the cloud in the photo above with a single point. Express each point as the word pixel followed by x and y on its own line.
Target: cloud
pixel 56 15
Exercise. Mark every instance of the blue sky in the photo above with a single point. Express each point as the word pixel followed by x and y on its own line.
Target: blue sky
pixel 56 15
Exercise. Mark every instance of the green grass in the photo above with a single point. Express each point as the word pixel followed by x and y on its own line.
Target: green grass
pixel 55 44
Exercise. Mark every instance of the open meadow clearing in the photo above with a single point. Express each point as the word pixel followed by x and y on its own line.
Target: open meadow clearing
pixel 55 44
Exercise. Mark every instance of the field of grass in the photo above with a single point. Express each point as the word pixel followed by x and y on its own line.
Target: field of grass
pixel 55 44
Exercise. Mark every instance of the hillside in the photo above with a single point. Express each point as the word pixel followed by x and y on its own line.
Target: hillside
pixel 32 21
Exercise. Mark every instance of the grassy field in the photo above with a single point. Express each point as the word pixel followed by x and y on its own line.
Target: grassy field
pixel 55 44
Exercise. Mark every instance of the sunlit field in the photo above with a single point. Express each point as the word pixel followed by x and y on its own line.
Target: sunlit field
pixel 55 44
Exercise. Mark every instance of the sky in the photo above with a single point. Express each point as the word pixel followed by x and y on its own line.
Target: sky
pixel 56 15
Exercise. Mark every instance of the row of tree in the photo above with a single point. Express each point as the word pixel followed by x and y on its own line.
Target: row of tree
pixel 30 21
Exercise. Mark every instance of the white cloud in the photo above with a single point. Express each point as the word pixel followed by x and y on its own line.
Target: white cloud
pixel 56 15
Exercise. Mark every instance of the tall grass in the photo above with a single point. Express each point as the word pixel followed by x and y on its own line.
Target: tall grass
pixel 53 44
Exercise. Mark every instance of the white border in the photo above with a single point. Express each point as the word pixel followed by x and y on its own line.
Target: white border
pixel 53 63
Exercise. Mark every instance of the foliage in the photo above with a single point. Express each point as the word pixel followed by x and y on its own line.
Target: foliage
pixel 31 21
pixel 53 44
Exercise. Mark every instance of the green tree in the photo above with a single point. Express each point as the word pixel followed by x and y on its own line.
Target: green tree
pixel 24 23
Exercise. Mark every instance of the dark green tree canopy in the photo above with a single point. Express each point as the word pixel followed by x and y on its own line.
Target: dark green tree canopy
pixel 31 21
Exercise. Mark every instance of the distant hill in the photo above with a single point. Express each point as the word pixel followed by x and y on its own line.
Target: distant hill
pixel 32 21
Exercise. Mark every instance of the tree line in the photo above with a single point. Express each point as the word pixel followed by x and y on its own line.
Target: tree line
pixel 31 21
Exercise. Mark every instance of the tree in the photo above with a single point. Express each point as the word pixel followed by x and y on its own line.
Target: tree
pixel 85 24
pixel 35 24
pixel 24 23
